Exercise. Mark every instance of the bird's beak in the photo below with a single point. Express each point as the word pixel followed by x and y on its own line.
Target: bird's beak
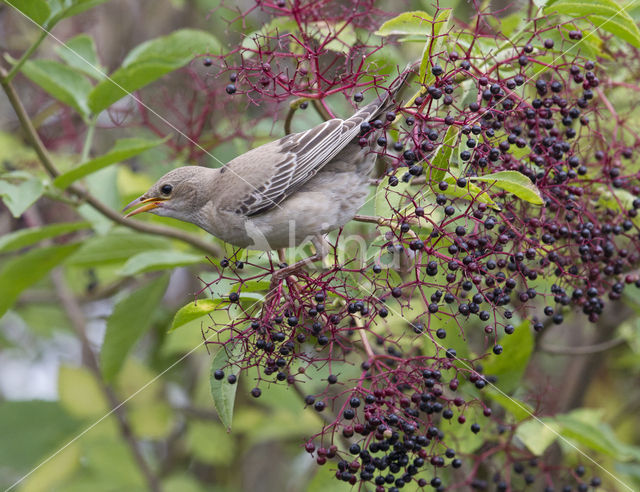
pixel 147 204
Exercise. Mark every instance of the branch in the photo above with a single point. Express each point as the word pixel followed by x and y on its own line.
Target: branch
pixel 322 111
pixel 76 316
pixel 584 350
pixel 46 161
pixel 293 107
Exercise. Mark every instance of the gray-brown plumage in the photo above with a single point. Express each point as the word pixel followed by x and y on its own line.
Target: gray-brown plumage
pixel 281 193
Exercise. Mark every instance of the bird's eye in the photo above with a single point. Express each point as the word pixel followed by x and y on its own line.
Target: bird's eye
pixel 166 189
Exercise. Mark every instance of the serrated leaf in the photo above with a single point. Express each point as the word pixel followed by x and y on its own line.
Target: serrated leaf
pixel 442 159
pixel 149 61
pixel 27 237
pixel 123 149
pixel 509 366
pixel 223 393
pixel 131 317
pixel 19 273
pixel 18 197
pixel 37 10
pixel 61 82
pixel 149 261
pixel 195 310
pixel 605 14
pixel 514 182
pixel 415 22
pixel 79 52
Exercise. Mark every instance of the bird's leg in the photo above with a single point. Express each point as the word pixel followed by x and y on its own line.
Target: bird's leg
pixel 322 249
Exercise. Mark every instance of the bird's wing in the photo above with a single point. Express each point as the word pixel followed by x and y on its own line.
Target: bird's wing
pixel 298 157
pixel 293 160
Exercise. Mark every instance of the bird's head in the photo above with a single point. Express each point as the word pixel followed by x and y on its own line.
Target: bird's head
pixel 179 194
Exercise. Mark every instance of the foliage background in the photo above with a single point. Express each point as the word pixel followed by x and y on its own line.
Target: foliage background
pixel 60 297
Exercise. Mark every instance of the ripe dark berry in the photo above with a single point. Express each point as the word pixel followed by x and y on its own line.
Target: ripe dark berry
pixel 232 378
pixel 319 406
pixel 234 297
pixel 231 89
pixel 256 392
pixel 358 97
pixel 332 379
pixel 218 374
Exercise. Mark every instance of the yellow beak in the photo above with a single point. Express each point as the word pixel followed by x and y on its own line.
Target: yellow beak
pixel 147 204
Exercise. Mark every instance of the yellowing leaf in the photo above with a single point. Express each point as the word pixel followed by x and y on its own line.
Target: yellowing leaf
pixel 513 182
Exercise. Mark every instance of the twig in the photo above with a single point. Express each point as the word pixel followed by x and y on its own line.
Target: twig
pixel 78 191
pixel 25 56
pixel 293 107
pixel 369 219
pixel 584 350
pixel 322 111
pixel 76 316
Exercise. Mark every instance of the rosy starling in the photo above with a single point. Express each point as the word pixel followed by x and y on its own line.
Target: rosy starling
pixel 281 193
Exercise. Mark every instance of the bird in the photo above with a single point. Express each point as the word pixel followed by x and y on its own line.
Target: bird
pixel 279 194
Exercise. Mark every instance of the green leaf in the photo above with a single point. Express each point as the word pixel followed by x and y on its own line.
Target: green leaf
pixel 442 160
pixel 276 26
pixel 115 247
pixel 416 22
pixel 19 197
pixel 519 409
pixel 149 261
pixel 511 364
pixel 123 149
pixel 26 237
pixel 148 62
pixel 537 435
pixel 37 10
pixel 29 442
pixel 223 393
pixel 586 427
pixel 68 8
pixel 131 317
pixel 513 182
pixel 80 392
pixel 605 14
pixel 389 199
pixel 79 52
pixel 433 45
pixel 468 192
pixel 19 273
pixel 338 37
pixel 194 310
pixel 61 82
pixel 200 435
